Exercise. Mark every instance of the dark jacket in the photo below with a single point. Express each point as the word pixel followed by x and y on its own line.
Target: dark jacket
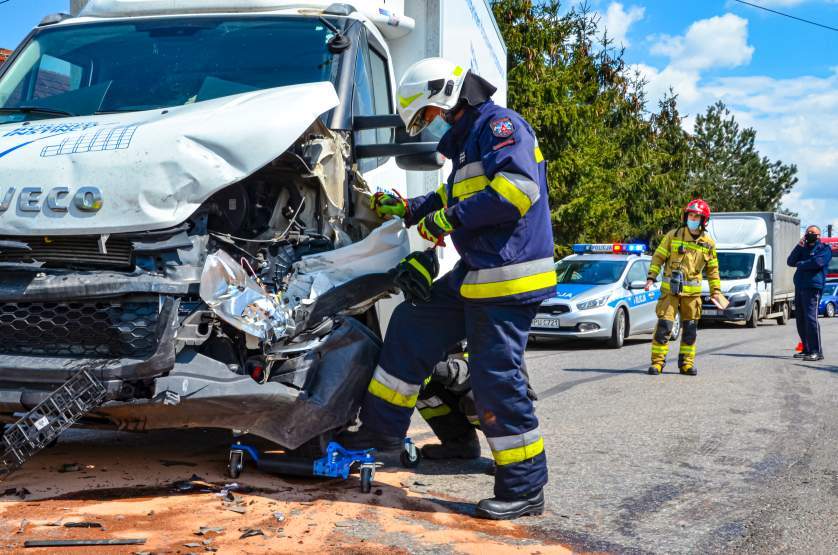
pixel 496 199
pixel 811 264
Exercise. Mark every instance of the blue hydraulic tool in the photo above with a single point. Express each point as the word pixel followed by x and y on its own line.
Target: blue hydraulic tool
pixel 336 463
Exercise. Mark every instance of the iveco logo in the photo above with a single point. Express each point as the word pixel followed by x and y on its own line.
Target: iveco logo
pixel 58 200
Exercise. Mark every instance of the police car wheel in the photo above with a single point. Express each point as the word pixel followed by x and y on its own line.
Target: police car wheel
pixel 618 330
pixel 830 310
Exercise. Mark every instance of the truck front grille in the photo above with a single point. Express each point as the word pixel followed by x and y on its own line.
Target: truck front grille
pixel 89 329
pixel 76 252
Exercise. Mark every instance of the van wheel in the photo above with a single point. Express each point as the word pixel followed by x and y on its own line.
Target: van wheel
pixel 830 310
pixel 676 329
pixel 753 321
pixel 618 330
pixel 784 318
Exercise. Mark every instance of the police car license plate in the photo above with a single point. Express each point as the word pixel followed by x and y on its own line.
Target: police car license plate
pixel 546 323
pixel 711 312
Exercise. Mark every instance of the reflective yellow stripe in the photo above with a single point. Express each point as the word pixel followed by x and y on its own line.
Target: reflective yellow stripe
pixel 422 270
pixel 688 349
pixel 467 187
pixel 405 102
pixel 715 283
pixel 539 158
pixel 655 269
pixel 393 390
pixel 713 263
pixel 392 396
pixel 660 349
pixel 519 454
pixel 692 289
pixel 429 413
pixel 506 288
pixel 442 192
pixel 458 71
pixel 660 251
pixel 509 191
pixel 689 245
pixel 474 422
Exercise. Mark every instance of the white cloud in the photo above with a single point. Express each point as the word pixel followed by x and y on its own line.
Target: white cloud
pixel 617 21
pixel 720 41
pixel 796 118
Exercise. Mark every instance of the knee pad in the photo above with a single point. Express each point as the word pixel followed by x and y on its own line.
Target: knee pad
pixel 664 331
pixel 690 332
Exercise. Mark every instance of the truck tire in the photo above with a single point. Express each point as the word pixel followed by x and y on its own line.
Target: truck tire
pixel 618 330
pixel 784 317
pixel 829 311
pixel 753 321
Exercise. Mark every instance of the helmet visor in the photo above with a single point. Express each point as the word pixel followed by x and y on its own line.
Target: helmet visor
pixel 417 123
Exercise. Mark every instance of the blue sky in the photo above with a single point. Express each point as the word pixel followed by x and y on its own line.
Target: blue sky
pixel 778 75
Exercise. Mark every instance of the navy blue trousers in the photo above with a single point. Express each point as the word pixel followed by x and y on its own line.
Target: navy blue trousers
pixel 421 335
pixel 806 303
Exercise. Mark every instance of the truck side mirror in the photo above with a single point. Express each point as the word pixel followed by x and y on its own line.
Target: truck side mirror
pixel 412 153
pixel 766 276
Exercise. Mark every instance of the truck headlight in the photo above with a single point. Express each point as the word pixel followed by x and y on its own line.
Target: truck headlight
pixel 738 288
pixel 593 303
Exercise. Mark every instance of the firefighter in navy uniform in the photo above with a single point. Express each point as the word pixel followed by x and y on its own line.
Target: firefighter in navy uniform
pixel 685 252
pixel 494 207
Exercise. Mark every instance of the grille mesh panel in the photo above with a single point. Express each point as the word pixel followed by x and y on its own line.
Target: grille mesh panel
pixel 80 251
pixel 90 329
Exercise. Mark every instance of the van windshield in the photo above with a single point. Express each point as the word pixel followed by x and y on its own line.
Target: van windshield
pixel 735 265
pixel 147 64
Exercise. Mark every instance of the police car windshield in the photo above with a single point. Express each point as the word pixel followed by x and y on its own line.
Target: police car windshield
pixel 589 272
pixel 156 63
pixel 735 265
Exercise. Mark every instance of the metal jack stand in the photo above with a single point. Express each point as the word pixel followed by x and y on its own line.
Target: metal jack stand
pixel 43 424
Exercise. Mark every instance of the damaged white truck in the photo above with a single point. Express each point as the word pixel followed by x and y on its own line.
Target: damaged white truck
pixel 183 206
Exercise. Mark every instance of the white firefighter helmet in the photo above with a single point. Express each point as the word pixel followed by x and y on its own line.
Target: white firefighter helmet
pixel 429 82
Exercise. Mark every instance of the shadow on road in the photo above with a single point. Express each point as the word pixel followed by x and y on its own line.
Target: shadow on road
pixel 635 370
pixel 750 355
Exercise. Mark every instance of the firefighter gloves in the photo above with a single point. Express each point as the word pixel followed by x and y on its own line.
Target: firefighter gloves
pixel 415 274
pixel 386 205
pixel 435 226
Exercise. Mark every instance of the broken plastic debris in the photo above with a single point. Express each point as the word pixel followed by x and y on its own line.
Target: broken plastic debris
pixel 238 300
pixel 250 532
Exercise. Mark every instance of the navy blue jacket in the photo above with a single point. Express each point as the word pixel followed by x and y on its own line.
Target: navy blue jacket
pixel 811 264
pixel 496 198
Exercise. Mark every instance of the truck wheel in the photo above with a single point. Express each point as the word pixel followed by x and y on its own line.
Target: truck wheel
pixel 618 330
pixel 753 321
pixel 784 318
pixel 830 310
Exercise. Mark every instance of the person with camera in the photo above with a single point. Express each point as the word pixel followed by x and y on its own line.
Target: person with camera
pixel 810 258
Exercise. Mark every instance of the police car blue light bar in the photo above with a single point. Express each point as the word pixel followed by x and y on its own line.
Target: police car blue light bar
pixel 609 248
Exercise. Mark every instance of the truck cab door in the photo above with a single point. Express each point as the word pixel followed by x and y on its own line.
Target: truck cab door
pixel 763 288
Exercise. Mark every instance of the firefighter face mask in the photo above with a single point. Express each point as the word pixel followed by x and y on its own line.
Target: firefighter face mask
pixel 693 225
pixel 438 127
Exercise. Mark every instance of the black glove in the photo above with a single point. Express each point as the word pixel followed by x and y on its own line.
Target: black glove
pixel 415 274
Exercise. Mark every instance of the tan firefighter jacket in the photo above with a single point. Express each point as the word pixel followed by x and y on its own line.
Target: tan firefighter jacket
pixel 679 250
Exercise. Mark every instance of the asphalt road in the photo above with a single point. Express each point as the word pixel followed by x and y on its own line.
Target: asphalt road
pixel 742 458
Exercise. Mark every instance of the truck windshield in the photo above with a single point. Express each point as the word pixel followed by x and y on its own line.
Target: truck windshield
pixel 589 272
pixel 735 265
pixel 147 64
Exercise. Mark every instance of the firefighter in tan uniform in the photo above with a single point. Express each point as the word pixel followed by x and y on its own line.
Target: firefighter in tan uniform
pixel 683 255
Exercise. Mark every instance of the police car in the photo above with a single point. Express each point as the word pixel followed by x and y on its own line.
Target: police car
pixel 601 295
